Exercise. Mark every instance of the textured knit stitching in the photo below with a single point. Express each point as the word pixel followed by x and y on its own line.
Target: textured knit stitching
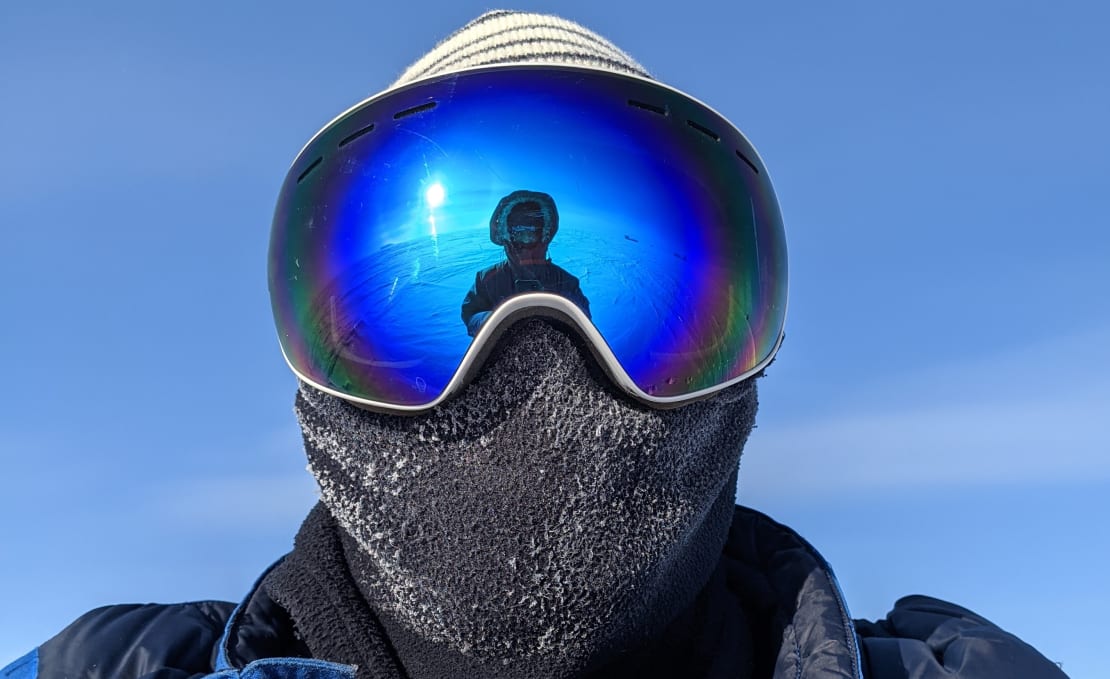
pixel 539 33
pixel 493 32
pixel 557 57
pixel 514 38
pixel 551 30
pixel 538 47
pixel 490 25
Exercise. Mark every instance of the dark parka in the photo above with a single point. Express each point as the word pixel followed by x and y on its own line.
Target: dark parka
pixel 804 632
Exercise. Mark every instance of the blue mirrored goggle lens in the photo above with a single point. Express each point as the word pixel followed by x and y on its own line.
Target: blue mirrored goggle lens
pixel 411 217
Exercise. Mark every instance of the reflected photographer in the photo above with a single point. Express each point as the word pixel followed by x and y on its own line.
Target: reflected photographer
pixel 524 223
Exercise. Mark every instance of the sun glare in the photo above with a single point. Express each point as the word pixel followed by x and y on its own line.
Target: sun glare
pixel 435 195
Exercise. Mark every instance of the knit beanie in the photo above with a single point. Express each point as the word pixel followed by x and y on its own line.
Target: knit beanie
pixel 506 37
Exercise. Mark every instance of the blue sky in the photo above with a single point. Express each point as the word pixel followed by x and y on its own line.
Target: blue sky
pixel 936 421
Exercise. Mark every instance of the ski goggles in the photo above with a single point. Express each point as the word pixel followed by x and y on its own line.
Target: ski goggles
pixel 416 226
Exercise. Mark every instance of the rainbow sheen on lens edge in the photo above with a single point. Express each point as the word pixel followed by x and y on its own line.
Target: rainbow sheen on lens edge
pixel 674 240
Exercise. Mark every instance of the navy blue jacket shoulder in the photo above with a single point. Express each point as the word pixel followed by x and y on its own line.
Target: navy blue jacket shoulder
pixel 812 630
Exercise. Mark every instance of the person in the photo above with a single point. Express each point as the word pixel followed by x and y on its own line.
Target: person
pixel 559 499
pixel 524 222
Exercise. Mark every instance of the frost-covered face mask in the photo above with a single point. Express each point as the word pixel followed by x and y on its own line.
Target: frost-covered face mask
pixel 537 517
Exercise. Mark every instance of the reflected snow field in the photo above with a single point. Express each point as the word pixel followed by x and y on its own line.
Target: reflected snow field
pixel 408 297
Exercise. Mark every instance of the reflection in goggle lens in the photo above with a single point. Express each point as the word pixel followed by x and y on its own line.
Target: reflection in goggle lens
pixel 407 223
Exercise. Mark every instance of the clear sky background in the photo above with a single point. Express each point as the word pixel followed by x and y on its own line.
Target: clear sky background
pixel 937 421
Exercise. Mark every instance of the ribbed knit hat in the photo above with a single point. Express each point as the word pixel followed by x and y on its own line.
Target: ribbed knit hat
pixel 505 37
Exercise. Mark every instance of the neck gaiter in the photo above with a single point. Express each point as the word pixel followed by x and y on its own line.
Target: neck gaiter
pixel 537 521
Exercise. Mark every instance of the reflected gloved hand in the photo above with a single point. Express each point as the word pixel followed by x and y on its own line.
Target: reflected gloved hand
pixel 475 322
